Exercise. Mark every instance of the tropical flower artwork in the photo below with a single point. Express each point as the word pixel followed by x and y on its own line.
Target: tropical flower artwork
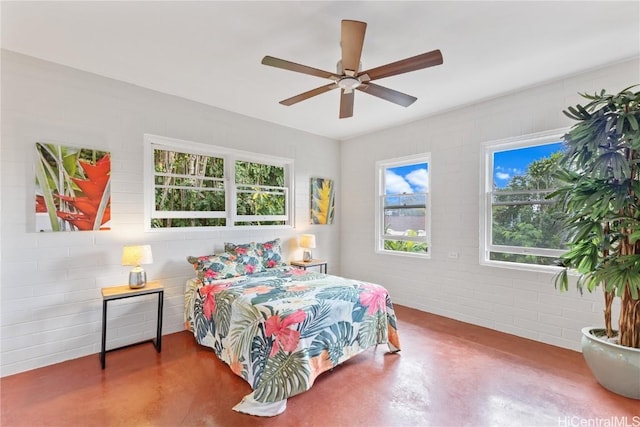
pixel 72 188
pixel 322 201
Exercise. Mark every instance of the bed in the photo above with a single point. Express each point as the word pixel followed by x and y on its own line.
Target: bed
pixel 279 327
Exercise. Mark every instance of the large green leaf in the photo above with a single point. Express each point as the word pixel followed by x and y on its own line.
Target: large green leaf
pixel 334 340
pixel 342 293
pixel 373 330
pixel 284 375
pixel 318 318
pixel 47 193
pixel 247 319
pixel 201 324
pixel 222 316
pixel 260 349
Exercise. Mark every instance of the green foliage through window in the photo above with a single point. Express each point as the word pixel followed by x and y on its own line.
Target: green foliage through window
pixel 260 191
pixel 406 245
pixel 187 182
pixel 526 225
pixel 193 189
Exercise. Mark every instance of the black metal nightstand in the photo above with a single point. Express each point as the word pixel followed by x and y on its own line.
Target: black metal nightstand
pixel 120 292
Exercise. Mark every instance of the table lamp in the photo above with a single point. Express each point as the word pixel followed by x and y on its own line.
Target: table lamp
pixel 308 242
pixel 136 256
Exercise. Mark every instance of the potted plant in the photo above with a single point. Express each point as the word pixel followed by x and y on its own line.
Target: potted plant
pixel 600 197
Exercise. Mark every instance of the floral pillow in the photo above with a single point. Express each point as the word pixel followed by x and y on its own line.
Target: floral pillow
pixel 221 266
pixel 247 254
pixel 268 252
pixel 244 248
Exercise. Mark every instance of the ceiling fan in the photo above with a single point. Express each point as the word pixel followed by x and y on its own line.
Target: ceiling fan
pixel 349 77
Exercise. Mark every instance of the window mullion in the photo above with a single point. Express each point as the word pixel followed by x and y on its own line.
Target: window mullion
pixel 230 180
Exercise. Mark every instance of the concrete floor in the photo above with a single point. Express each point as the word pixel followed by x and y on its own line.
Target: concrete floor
pixel 448 374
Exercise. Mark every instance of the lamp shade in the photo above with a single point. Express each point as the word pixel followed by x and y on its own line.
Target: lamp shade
pixel 137 255
pixel 308 241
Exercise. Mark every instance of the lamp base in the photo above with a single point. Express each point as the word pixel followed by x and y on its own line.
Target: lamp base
pixel 137 279
pixel 306 256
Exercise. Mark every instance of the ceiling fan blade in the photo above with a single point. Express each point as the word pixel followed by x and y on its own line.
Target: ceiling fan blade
pixel 388 94
pixel 346 104
pixel 306 95
pixel 292 66
pixel 352 40
pixel 414 63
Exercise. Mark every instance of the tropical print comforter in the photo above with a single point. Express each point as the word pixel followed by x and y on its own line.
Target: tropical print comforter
pixel 282 328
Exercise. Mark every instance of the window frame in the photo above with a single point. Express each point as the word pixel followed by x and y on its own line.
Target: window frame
pixel 486 202
pixel 380 235
pixel 229 156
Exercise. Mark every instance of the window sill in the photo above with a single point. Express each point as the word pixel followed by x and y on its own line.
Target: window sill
pixel 404 254
pixel 523 267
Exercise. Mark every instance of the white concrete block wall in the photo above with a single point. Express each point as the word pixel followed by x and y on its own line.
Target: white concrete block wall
pixel 522 303
pixel 50 282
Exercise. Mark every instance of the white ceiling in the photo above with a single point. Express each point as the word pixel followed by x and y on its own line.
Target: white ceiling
pixel 210 51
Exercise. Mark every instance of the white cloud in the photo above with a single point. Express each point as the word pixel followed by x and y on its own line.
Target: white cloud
pixel 505 174
pixel 396 184
pixel 419 179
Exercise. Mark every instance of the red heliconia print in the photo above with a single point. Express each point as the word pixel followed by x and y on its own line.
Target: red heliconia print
pixel 72 188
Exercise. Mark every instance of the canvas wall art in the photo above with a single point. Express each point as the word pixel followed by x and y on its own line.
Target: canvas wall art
pixel 322 201
pixel 72 188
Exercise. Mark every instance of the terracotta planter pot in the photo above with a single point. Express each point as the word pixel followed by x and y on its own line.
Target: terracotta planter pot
pixel 616 368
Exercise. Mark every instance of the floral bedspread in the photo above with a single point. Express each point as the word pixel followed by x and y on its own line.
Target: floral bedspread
pixel 282 328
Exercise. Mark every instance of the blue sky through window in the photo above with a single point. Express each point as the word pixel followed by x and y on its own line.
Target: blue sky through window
pixel 407 179
pixel 507 164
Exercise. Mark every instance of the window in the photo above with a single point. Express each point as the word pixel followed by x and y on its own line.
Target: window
pixel 521 225
pixel 261 195
pixel 402 213
pixel 189 187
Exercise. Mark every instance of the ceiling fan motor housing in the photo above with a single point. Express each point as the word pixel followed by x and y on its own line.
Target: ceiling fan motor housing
pixel 348 83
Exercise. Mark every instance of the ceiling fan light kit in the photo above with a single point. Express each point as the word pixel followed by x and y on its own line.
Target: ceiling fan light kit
pixel 349 77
